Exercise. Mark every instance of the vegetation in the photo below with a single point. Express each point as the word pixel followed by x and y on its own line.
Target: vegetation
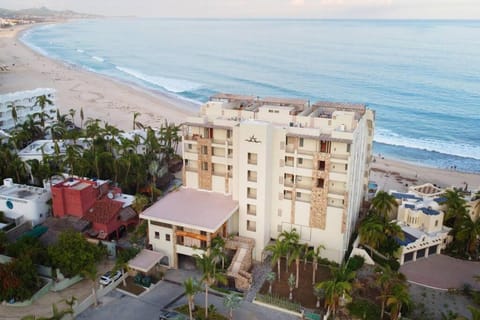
pixel 280 302
pixel 73 254
pixel 364 309
pixel 232 301
pixel 199 313
pixel 18 279
pixel 192 287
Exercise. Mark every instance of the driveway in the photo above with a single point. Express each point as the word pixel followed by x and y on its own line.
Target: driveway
pixel 119 306
pixel 442 272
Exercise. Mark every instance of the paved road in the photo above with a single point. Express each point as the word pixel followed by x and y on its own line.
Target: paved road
pixel 441 271
pixel 123 307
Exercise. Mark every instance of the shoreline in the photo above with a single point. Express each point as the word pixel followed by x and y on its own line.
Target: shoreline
pixel 113 100
pixel 101 97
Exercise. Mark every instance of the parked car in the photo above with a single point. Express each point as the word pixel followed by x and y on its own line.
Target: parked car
pixel 109 277
pixel 173 315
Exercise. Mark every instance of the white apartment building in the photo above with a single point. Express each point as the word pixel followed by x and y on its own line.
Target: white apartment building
pixel 25 104
pixel 24 203
pixel 288 164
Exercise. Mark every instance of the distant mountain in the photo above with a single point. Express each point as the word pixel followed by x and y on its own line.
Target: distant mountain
pixel 42 12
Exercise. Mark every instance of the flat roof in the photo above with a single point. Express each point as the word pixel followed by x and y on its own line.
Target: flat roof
pixel 145 260
pixel 196 209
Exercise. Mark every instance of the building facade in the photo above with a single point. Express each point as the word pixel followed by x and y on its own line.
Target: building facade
pixel 105 207
pixel 25 103
pixel 420 216
pixel 24 203
pixel 289 164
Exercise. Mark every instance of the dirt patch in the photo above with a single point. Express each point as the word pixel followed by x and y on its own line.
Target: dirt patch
pixel 131 287
pixel 304 293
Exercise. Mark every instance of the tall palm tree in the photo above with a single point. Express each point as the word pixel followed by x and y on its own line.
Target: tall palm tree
pixel 371 231
pixel 398 298
pixel 319 293
pixel 232 301
pixel 153 169
pixel 43 101
pixel 135 116
pixel 383 203
pixel 316 257
pixel 192 287
pixel 14 107
pixel 455 205
pixel 339 286
pixel 295 254
pixel 290 239
pixel 469 231
pixel 72 113
pixel 217 248
pixel 475 312
pixel 278 250
pixel 291 284
pixel 209 276
pixel 385 280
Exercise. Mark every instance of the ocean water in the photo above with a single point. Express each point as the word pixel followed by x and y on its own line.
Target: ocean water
pixel 421 77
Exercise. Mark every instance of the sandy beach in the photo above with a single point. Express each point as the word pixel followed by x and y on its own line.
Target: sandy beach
pixel 101 98
pixel 115 103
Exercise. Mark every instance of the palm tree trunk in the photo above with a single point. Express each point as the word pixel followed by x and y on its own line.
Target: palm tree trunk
pixel 383 308
pixel 297 262
pixel 94 292
pixel 206 301
pixel 190 307
pixel 278 267
pixel 314 267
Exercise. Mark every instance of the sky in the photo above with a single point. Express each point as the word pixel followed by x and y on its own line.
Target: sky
pixel 348 9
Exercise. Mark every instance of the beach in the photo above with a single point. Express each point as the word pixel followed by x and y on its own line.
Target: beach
pixel 100 98
pixel 115 103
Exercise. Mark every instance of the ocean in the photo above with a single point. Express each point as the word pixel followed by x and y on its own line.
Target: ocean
pixel 421 77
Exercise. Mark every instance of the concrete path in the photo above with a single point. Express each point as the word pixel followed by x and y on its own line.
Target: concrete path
pixel 442 272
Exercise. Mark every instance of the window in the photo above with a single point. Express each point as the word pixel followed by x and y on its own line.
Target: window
pixel 186 162
pixel 300 161
pixel 229 134
pixel 167 237
pixel 230 153
pixel 321 165
pixel 299 194
pixel 320 183
pixel 279 228
pixel 204 150
pixel 436 223
pixel 252 158
pixel 189 146
pixel 279 212
pixel 301 142
pixel 251 226
pixel 205 166
pixel 348 147
pixel 346 167
pixel 252 209
pixel 157 235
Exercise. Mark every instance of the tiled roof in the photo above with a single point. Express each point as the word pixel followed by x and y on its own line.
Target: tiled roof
pixel 103 211
pixel 430 211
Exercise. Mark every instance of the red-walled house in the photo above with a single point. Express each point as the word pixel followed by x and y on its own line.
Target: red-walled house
pixel 105 207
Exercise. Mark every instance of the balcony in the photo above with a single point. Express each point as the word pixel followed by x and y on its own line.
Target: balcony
pixel 289 148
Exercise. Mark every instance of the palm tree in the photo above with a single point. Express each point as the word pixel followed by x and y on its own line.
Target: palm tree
pixel 14 113
pixel 278 250
pixel 319 294
pixel 291 284
pixel 383 203
pixel 271 276
pixel 232 301
pixel 206 264
pixel 290 238
pixel 42 101
pixel 475 312
pixel 386 279
pixel 455 205
pixel 135 123
pixel 191 287
pixel 90 272
pixel 217 248
pixel 72 113
pixel 469 231
pixel 371 231
pixel 397 299
pixel 295 255
pixel 153 171
pixel 316 257
pixel 333 290
pixel 81 118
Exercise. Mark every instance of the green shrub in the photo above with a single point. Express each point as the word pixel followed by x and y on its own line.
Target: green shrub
pixel 364 309
pixel 355 263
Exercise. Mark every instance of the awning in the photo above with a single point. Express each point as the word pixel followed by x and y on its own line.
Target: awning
pixel 145 260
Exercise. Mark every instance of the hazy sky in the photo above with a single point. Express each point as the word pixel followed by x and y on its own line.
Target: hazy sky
pixel 382 9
